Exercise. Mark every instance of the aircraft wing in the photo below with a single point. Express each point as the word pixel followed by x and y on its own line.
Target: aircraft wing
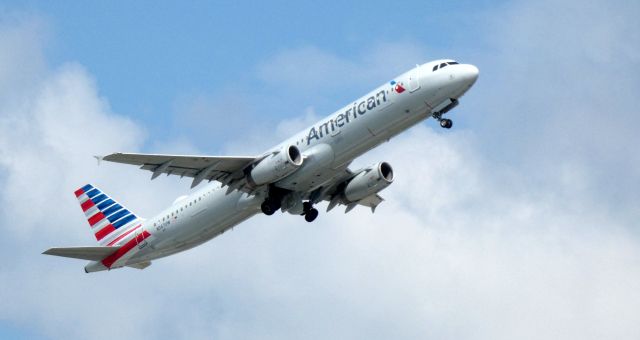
pixel 83 253
pixel 227 170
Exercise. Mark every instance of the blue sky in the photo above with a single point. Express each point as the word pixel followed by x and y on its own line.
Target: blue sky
pixel 146 57
pixel 520 222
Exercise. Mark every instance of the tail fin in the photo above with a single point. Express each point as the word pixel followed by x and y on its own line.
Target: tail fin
pixel 107 218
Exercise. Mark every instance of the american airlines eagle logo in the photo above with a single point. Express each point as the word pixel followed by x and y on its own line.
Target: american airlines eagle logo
pixel 398 87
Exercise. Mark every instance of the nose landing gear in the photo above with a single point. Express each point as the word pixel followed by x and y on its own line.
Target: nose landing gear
pixel 444 122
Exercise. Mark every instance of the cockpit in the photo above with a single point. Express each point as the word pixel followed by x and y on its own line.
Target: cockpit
pixel 444 64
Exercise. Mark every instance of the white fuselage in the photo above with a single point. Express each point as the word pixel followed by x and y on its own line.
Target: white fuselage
pixel 336 140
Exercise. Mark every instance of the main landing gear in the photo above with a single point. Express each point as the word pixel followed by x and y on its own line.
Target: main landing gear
pixel 309 212
pixel 269 207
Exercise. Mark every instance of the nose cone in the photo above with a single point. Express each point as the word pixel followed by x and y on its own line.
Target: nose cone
pixel 462 77
pixel 469 74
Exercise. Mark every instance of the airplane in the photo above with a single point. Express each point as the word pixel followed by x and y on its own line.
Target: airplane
pixel 293 176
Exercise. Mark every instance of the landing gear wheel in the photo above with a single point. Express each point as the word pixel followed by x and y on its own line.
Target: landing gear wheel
pixel 267 209
pixel 311 215
pixel 446 123
pixel 306 206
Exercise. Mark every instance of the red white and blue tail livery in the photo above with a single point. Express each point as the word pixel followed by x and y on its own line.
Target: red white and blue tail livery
pixel 311 167
pixel 107 218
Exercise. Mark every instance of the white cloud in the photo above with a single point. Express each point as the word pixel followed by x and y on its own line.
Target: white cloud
pixel 50 127
pixel 466 246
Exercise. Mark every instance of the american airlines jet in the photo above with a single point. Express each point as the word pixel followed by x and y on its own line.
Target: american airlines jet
pixel 295 176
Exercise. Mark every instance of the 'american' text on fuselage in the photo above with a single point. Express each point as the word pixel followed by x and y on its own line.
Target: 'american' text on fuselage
pixel 345 117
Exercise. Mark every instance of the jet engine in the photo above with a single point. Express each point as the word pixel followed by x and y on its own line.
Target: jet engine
pixel 276 166
pixel 369 181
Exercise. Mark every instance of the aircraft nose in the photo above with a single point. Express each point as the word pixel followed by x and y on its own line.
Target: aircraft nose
pixel 469 73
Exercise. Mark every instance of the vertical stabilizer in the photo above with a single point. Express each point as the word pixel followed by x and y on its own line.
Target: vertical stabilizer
pixel 108 219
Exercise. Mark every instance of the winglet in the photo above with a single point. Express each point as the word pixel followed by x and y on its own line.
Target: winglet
pixel 99 159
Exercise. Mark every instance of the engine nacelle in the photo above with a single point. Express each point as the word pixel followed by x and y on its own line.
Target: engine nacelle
pixel 276 166
pixel 369 181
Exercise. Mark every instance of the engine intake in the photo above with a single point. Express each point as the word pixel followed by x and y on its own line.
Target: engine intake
pixel 276 166
pixel 369 181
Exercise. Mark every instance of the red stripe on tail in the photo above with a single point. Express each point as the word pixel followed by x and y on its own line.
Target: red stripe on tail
pixel 88 204
pixel 96 218
pixel 123 235
pixel 105 231
pixel 111 259
pixel 79 192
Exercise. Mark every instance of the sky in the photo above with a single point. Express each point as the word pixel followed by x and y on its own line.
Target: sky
pixel 520 222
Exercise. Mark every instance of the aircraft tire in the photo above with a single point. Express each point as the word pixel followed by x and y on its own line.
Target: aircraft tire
pixel 446 123
pixel 267 208
pixel 311 215
pixel 306 206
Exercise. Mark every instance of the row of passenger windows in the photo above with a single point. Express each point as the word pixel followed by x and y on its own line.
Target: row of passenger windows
pixel 182 208
pixel 435 68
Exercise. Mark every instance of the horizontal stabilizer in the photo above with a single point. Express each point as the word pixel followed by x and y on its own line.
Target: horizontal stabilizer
pixel 83 253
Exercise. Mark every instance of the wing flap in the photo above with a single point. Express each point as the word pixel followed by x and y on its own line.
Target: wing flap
pixel 82 253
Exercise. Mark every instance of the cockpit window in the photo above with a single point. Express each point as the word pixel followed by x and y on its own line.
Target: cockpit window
pixel 437 67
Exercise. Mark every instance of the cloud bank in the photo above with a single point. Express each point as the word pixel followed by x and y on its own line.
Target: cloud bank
pixel 500 231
